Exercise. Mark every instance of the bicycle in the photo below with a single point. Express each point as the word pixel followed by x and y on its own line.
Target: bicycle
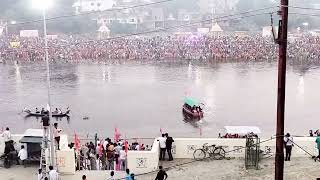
pixel 216 152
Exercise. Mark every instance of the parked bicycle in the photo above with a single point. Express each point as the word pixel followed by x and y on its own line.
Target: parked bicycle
pixel 216 152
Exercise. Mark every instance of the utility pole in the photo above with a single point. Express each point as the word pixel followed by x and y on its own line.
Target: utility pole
pixel 282 40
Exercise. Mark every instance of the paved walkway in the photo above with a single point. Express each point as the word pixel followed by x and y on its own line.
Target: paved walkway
pixel 298 168
pixel 30 173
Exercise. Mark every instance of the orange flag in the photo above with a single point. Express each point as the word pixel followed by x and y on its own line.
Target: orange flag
pixel 126 144
pixel 116 134
pixel 76 141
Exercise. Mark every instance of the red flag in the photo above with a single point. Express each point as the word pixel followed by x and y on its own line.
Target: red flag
pixel 76 141
pixel 139 142
pixel 100 148
pixel 116 134
pixel 126 146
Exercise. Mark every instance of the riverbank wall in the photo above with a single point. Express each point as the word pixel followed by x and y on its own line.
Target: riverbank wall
pixel 183 148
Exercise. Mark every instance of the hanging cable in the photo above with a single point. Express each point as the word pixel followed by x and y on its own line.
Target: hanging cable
pixel 92 12
pixel 219 19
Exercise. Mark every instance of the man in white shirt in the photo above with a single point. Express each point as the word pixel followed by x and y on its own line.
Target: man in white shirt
pixel 23 155
pixel 105 143
pixel 6 135
pixel 162 143
pixel 7 138
pixel 122 157
pixel 53 174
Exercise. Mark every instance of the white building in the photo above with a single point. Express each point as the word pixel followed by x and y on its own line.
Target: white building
pixel 93 5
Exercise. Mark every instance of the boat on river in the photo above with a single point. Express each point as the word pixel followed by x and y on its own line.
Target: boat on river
pixel 192 109
pixel 54 114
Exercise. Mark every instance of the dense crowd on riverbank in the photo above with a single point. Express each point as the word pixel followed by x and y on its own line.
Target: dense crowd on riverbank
pixel 153 48
pixel 106 155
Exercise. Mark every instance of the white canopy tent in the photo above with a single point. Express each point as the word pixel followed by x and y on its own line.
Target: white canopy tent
pixel 242 130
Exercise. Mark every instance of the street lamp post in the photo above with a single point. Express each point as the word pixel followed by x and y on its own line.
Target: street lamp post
pixel 43 5
pixel 52 151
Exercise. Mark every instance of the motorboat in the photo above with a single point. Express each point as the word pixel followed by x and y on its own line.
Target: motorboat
pixel 192 109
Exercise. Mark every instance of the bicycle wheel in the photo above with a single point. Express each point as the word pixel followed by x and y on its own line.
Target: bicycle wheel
pixel 219 153
pixel 199 154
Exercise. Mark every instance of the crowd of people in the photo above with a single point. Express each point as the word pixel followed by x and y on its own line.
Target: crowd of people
pixel 106 155
pixel 191 47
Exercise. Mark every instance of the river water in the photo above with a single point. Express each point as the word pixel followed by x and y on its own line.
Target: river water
pixel 141 98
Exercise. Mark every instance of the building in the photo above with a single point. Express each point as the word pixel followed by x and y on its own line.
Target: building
pixel 92 5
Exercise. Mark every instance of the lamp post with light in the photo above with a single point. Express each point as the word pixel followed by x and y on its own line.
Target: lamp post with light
pixel 305 24
pixel 43 5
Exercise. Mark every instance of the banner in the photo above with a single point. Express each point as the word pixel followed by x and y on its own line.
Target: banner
pixel 29 33
pixel 14 44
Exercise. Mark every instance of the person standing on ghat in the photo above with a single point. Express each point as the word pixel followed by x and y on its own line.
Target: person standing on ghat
pixel 162 143
pixel 288 142
pixel 56 133
pixel 169 142
pixel 6 136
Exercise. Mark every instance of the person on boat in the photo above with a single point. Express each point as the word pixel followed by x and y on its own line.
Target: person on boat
pixel 56 111
pixel 194 109
pixel 42 111
pixel 37 110
pixel 60 112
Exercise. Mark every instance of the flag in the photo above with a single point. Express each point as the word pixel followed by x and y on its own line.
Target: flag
pixel 139 142
pixel 126 145
pixel 116 135
pixel 161 131
pixel 76 141
pixel 100 148
pixel 48 107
